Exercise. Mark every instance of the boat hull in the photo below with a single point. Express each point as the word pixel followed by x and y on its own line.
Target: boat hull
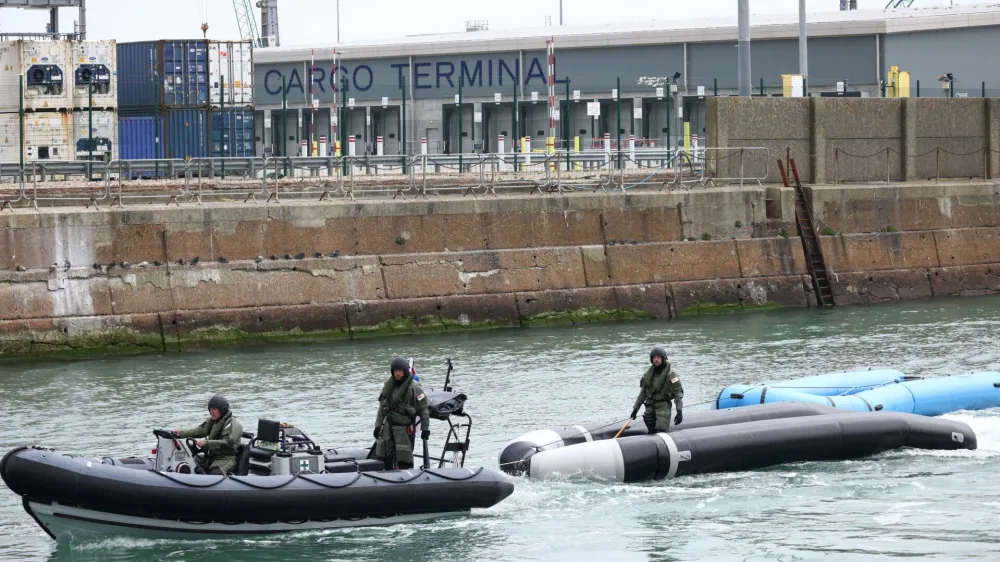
pixel 67 523
pixel 69 496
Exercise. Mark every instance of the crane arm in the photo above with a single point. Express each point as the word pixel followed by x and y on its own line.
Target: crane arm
pixel 247 22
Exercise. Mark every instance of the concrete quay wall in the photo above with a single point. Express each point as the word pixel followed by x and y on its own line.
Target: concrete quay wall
pixel 445 265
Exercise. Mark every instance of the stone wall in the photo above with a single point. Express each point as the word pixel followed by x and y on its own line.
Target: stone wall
pixel 865 269
pixel 452 264
pixel 852 139
pixel 171 306
pixel 910 207
pixel 35 240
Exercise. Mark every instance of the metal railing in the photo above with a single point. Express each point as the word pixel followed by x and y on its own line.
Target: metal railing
pixel 271 179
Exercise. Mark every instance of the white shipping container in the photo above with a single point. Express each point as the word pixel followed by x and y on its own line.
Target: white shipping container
pixel 10 69
pixel 46 137
pixel 105 135
pixel 93 65
pixel 232 60
pixel 47 74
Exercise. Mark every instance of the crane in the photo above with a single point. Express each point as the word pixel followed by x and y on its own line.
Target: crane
pixel 268 36
pixel 247 23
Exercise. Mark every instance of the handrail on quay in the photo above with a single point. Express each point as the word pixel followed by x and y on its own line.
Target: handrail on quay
pixel 272 178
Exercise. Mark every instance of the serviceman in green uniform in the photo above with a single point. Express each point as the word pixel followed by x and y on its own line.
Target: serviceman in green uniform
pixel 657 388
pixel 400 402
pixel 222 433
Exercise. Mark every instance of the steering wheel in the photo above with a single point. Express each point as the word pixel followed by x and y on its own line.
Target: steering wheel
pixel 195 449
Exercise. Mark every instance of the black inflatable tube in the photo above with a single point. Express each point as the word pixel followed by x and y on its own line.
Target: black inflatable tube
pixel 842 437
pixel 755 444
pixel 515 458
pixel 45 476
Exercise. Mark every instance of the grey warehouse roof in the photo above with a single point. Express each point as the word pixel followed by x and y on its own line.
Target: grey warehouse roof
pixel 654 32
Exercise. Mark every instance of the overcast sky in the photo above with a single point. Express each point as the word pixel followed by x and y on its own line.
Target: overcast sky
pixel 315 21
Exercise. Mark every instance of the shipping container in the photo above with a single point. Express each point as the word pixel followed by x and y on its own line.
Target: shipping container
pixel 95 135
pixel 186 133
pixel 138 138
pixel 233 133
pixel 163 74
pixel 10 70
pixel 46 136
pixel 95 74
pixel 231 61
pixel 46 71
pixel 44 67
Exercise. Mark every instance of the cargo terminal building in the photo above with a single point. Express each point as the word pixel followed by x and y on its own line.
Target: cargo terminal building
pixel 665 71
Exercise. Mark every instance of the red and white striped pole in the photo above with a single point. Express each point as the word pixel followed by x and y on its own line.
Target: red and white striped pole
pixel 335 117
pixel 552 94
pixel 312 102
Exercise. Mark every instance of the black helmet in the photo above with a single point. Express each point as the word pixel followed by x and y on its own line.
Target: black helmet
pixel 220 402
pixel 399 363
pixel 658 351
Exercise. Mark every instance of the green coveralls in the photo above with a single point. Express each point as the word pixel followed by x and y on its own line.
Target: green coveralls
pixel 657 389
pixel 222 437
pixel 398 408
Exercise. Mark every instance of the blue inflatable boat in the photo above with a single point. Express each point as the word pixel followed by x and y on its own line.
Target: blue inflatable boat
pixel 875 390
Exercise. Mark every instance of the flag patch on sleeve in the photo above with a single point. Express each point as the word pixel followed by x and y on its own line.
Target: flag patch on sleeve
pixel 673 379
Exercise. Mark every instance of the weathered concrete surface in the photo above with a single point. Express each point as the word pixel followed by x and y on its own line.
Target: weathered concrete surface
pixel 907 206
pixel 851 139
pixel 470 264
pixel 866 269
pixel 176 307
pixel 37 239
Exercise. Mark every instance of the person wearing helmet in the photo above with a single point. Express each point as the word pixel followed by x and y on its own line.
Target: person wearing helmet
pixel 657 388
pixel 219 436
pixel 399 404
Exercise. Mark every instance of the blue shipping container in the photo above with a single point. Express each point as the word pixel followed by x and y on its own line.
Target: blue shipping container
pixel 186 133
pixel 233 133
pixel 162 74
pixel 137 138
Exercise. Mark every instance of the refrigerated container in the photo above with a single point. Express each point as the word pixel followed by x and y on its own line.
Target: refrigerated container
pixel 38 71
pixel 46 71
pixel 46 136
pixel 232 61
pixel 94 69
pixel 95 135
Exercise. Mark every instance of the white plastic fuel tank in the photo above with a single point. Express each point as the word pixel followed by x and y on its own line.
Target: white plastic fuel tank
pixel 232 60
pixel 104 139
pixel 93 66
pixel 47 74
pixel 46 136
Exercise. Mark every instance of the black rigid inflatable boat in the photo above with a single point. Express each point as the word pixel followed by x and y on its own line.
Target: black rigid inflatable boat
pixel 284 482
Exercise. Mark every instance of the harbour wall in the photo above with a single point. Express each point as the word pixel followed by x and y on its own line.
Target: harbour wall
pixel 454 264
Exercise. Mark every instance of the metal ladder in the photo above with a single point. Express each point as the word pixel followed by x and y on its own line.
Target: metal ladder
pixel 810 243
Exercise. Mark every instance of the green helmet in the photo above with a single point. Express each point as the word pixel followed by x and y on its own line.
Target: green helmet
pixel 658 352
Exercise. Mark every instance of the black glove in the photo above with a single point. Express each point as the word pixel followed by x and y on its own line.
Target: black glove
pixel 634 414
pixel 425 434
pixel 678 418
pixel 378 430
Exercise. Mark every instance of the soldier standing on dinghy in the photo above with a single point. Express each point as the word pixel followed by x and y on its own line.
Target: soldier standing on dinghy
pixel 657 388
pixel 399 404
pixel 223 434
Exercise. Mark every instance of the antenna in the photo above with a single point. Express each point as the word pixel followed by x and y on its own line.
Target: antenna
pixel 477 25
